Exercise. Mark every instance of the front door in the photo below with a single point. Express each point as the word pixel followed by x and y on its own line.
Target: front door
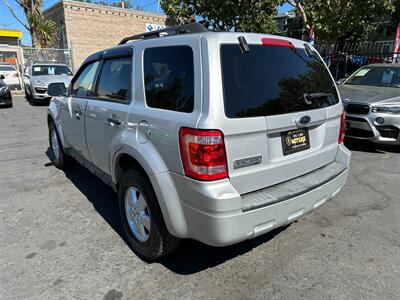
pixel 73 111
pixel 106 112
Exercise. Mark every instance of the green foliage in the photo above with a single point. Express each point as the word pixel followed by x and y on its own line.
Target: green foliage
pixel 242 15
pixel 338 20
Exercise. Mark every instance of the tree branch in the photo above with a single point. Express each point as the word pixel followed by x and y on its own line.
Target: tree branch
pixel 15 16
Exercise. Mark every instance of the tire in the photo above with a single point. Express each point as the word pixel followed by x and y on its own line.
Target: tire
pixel 156 241
pixel 27 96
pixel 57 155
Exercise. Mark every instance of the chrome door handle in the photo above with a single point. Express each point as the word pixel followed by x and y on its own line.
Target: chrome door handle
pixel 114 120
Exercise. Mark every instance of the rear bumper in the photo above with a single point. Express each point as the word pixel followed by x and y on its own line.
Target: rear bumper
pixel 5 99
pixel 365 127
pixel 215 214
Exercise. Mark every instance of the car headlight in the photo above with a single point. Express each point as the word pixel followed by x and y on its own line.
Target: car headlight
pixel 38 83
pixel 389 108
pixel 3 89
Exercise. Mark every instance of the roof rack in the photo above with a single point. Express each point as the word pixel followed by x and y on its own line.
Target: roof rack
pixel 181 29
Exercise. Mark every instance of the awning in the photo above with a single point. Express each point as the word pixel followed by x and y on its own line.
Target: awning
pixel 10 33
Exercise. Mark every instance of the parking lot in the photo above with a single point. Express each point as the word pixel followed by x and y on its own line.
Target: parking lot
pixel 61 238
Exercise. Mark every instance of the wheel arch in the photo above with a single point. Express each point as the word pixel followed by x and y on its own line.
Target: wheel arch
pixel 170 206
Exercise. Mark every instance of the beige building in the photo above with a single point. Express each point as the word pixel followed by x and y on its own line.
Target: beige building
pixel 87 28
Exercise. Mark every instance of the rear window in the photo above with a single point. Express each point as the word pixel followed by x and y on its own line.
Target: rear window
pixel 272 80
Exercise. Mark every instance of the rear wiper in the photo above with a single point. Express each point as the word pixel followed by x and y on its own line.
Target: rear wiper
pixel 310 98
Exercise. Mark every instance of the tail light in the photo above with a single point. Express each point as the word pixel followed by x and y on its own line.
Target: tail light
pixel 342 129
pixel 203 154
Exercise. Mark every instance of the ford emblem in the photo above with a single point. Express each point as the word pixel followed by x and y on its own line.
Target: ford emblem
pixel 303 120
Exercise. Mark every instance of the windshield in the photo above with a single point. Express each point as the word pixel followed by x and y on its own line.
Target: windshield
pixel 272 80
pixel 6 68
pixel 50 70
pixel 376 76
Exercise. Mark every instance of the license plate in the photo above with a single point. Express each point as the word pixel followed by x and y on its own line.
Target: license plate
pixel 295 141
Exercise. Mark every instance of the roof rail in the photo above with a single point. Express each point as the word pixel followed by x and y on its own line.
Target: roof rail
pixel 181 29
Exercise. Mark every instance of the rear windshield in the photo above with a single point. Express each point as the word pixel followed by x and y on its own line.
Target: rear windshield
pixel 50 70
pixel 273 80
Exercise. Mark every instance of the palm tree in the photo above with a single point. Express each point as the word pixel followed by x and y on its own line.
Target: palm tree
pixel 40 28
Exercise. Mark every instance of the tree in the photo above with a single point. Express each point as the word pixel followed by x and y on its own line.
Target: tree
pixel 229 15
pixel 339 20
pixel 40 28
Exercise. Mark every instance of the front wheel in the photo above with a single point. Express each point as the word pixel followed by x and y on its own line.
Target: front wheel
pixel 57 155
pixel 142 218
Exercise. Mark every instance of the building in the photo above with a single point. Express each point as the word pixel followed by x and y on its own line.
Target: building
pixel 86 28
pixel 10 46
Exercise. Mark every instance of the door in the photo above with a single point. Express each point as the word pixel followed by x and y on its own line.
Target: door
pixel 73 112
pixel 107 111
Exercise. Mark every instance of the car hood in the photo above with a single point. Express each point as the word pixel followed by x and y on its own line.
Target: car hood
pixel 47 79
pixel 368 94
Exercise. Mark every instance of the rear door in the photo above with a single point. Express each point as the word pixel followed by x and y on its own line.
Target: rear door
pixel 282 112
pixel 107 110
pixel 73 110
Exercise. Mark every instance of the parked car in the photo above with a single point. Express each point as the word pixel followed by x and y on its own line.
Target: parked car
pixel 218 137
pixel 11 75
pixel 371 97
pixel 40 76
pixel 5 94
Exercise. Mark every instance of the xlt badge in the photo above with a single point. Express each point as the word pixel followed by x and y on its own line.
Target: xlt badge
pixel 246 162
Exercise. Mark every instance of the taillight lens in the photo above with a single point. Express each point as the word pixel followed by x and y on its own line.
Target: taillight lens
pixel 203 154
pixel 342 129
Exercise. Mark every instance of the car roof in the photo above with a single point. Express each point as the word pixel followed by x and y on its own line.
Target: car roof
pixel 384 65
pixel 48 64
pixel 209 35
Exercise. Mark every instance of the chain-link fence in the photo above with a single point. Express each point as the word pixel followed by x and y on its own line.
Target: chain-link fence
pixel 35 55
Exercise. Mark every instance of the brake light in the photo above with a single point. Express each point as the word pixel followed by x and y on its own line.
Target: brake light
pixel 203 154
pixel 276 42
pixel 342 129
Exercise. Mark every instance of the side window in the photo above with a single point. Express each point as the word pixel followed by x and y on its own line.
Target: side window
pixel 83 85
pixel 115 79
pixel 169 78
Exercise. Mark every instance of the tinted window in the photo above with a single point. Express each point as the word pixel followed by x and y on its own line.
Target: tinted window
pixel 168 78
pixel 38 70
pixel 7 68
pixel 271 80
pixel 115 79
pixel 83 86
pixel 376 76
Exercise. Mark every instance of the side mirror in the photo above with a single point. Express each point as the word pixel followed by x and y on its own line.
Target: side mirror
pixel 56 89
pixel 2 77
pixel 26 76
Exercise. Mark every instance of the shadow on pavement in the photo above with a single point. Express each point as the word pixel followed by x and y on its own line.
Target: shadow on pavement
pixel 191 256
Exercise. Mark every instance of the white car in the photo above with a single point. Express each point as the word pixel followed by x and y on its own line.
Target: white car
pixel 11 76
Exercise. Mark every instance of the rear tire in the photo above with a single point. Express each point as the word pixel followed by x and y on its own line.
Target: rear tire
pixel 142 218
pixel 57 155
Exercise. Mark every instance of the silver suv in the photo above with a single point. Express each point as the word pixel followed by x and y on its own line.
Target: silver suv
pixel 218 137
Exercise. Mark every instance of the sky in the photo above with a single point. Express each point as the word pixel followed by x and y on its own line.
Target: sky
pixel 8 21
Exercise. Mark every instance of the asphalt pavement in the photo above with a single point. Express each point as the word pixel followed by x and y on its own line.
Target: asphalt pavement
pixel 61 238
